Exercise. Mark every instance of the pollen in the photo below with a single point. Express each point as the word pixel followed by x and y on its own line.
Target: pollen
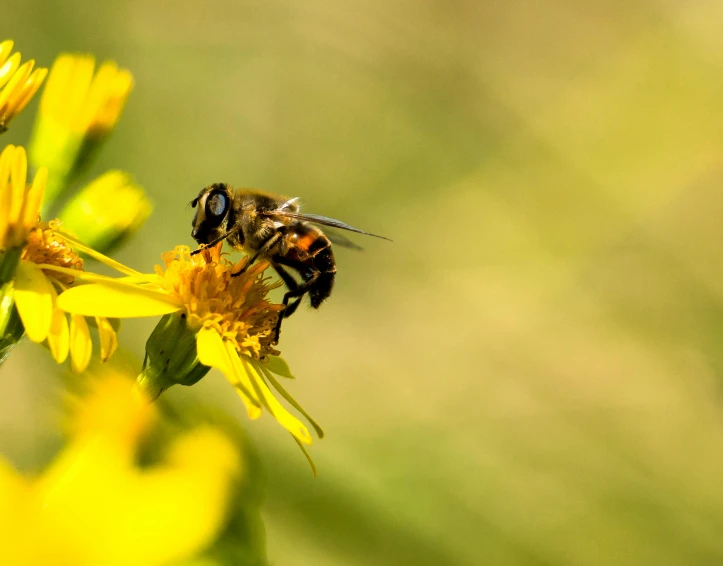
pixel 235 307
pixel 45 246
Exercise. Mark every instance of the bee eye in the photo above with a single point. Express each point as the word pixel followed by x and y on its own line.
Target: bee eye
pixel 216 206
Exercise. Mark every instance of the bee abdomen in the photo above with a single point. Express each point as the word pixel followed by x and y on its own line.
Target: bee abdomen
pixel 324 262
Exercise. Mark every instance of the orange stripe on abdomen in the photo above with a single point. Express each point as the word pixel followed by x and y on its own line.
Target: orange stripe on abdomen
pixel 305 241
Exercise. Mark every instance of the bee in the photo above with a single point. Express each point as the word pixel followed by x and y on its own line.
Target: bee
pixel 272 227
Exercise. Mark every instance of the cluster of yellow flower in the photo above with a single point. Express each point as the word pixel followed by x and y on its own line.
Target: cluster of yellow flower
pixel 209 318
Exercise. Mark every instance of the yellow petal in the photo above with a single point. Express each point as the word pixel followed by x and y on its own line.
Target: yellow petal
pixel 79 246
pixel 15 83
pixel 30 88
pixel 285 419
pixel 243 384
pixel 59 335
pixel 34 300
pixel 18 176
pixel 78 90
pixel 108 338
pixel 6 46
pixel 53 98
pixel 31 209
pixel 8 68
pixel 267 374
pixel 116 300
pixel 6 193
pixel 212 352
pixel 96 500
pixel 81 345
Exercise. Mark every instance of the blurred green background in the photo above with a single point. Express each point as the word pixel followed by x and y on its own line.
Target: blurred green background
pixel 530 373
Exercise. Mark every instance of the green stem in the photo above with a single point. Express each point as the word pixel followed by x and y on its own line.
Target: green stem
pixel 8 262
pixel 11 327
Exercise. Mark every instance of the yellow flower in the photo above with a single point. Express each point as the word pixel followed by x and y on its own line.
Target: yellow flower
pixel 229 318
pixel 18 83
pixel 78 109
pixel 28 249
pixel 95 504
pixel 19 204
pixel 84 101
pixel 107 211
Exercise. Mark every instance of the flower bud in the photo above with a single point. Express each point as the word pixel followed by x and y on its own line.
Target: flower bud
pixel 107 211
pixel 78 110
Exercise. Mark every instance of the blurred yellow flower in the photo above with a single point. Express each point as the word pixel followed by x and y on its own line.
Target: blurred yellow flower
pixel 84 101
pixel 29 249
pixel 107 211
pixel 18 83
pixel 229 318
pixel 96 505
pixel 78 109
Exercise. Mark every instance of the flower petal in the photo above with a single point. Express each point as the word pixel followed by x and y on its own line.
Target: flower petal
pixel 6 193
pixel 116 300
pixel 79 246
pixel 34 300
pixel 31 207
pixel 286 395
pixel 108 338
pixel 212 352
pixel 81 345
pixel 98 502
pixel 285 419
pixel 243 384
pixel 18 175
pixel 59 336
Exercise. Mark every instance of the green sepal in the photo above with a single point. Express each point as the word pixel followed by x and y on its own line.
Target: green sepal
pixel 170 357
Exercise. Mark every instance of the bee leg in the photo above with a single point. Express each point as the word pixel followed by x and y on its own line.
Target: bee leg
pixel 263 250
pixel 291 284
pixel 215 241
pixel 295 291
pixel 288 308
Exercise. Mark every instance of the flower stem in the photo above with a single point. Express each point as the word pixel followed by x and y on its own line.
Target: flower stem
pixel 9 259
pixel 11 327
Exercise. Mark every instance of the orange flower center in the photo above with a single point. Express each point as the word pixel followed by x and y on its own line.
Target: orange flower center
pixel 236 307
pixel 45 246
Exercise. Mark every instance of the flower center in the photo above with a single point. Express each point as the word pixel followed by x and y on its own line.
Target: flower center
pixel 236 307
pixel 46 246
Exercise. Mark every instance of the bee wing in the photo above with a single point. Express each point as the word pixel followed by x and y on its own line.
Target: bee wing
pixel 341 240
pixel 324 221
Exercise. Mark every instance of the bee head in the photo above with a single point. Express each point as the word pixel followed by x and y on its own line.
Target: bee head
pixel 213 207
